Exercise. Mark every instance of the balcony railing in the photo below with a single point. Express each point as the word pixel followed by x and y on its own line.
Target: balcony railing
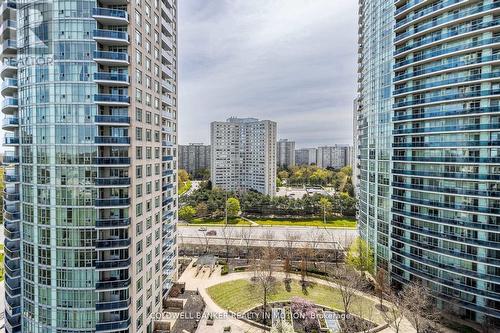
pixel 112 181
pixel 111 56
pixel 112 243
pixel 107 12
pixel 110 98
pixel 113 222
pixel 119 78
pixel 112 119
pixel 111 34
pixel 112 160
pixel 112 140
pixel 112 202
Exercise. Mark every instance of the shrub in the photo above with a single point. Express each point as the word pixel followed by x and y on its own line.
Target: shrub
pixel 225 270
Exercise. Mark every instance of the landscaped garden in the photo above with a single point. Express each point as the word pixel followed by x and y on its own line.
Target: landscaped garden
pixel 219 221
pixel 240 296
pixel 333 222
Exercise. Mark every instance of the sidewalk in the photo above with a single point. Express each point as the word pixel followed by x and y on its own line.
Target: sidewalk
pixel 203 281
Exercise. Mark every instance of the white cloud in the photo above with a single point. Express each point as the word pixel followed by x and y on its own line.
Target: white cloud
pixel 286 60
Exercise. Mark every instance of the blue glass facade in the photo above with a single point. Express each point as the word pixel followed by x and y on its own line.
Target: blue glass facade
pixel 445 169
pixel 90 197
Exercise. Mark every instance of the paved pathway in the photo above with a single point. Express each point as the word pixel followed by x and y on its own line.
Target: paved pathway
pixel 203 281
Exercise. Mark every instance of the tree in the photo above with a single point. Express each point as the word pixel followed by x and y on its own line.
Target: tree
pixel 382 286
pixel 360 256
pixel 233 207
pixel 264 281
pixel 246 236
pixel 418 306
pixel 326 205
pixel 348 283
pixel 283 174
pixel 227 235
pixel 306 311
pixel 182 175
pixel 202 209
pixel 394 313
pixel 187 213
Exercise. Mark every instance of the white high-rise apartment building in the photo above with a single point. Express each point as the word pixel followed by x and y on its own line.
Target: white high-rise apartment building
pixel 285 154
pixel 244 155
pixel 305 156
pixel 337 156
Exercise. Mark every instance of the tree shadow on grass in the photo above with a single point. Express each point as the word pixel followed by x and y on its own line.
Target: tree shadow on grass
pixel 306 285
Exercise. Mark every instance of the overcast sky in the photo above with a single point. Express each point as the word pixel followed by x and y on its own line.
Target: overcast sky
pixel 291 61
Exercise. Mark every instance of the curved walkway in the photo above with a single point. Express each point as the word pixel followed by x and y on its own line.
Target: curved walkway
pixel 204 281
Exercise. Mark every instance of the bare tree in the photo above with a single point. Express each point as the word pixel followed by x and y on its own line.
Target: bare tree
pixel 290 240
pixel 246 236
pixel 264 281
pixel 418 305
pixel 269 237
pixel 228 236
pixel 349 283
pixel 317 239
pixel 382 286
pixel 394 313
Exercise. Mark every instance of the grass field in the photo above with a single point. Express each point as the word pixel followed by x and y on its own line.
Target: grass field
pixel 340 222
pixel 184 187
pixel 241 295
pixel 221 221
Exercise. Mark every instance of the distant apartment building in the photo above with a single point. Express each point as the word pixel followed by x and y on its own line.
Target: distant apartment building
pixel 243 152
pixel 337 156
pixel 285 153
pixel 305 156
pixel 194 157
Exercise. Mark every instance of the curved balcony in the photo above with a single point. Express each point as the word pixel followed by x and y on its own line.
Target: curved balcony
pixel 112 284
pixel 446 236
pixel 454 222
pixel 110 58
pixel 167 100
pixel 113 202
pixel 9 26
pixel 443 266
pixel 112 244
pixel 112 100
pixel 450 66
pixel 447 159
pixel 11 141
pixel 167 158
pixel 118 325
pixel 12 235
pixel 112 181
pixel 421 13
pixel 446 251
pixel 12 286
pixel 112 161
pixel 451 175
pixel 10 123
pixel 111 37
pixel 11 178
pixel 9 47
pixel 448 82
pixel 112 120
pixel 449 97
pixel 450 128
pixel 112 264
pixel 117 222
pixel 109 16
pixel 112 305
pixel 464 47
pixel 168 86
pixel 111 79
pixel 446 113
pixel 454 206
pixel 444 35
pixel 8 68
pixel 112 140
pixel 446 144
pixel 9 105
pixel 11 214
pixel 11 197
pixel 421 28
pixel 8 87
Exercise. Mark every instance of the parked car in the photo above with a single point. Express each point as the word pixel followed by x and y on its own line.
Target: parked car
pixel 203 229
pixel 212 233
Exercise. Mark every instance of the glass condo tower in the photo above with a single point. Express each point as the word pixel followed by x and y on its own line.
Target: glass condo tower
pixel 429 147
pixel 89 97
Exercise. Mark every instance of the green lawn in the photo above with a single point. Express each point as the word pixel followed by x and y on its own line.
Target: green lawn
pixel 337 222
pixel 240 295
pixel 184 187
pixel 219 221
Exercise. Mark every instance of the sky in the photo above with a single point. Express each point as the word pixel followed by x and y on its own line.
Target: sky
pixel 290 61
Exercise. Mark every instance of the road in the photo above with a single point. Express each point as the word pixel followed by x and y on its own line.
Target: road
pixel 343 236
